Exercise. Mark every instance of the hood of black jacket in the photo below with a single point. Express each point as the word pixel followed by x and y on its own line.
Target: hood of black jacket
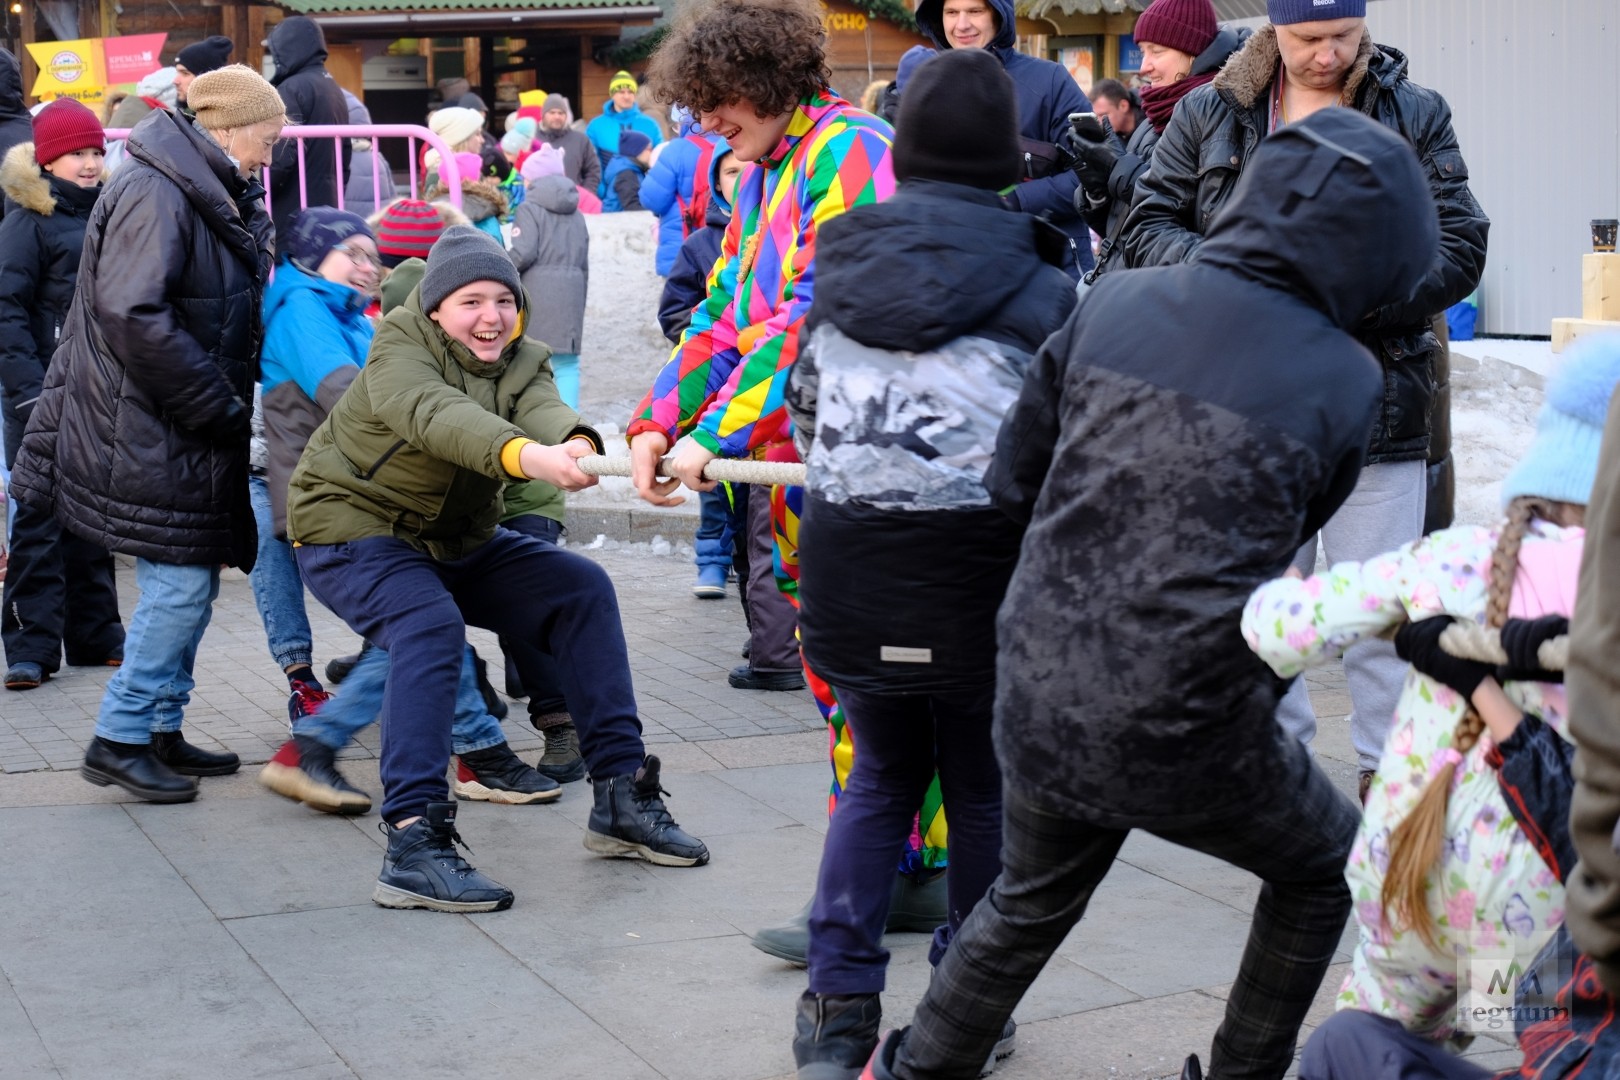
pixel 178 149
pixel 1334 209
pixel 931 21
pixel 1227 42
pixel 11 88
pixel 926 266
pixel 295 44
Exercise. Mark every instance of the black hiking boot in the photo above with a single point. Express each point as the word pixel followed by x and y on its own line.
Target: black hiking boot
pixel 1191 1070
pixel 629 819
pixel 171 748
pixel 422 868
pixel 136 769
pixel 561 761
pixel 338 668
pixel 835 1034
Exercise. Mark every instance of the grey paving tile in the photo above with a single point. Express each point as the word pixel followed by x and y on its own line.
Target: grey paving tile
pixel 797 791
pixel 118 919
pixel 23 1055
pixel 475 1010
pixel 264 855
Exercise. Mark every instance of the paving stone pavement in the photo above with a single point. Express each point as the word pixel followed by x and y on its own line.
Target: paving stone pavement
pixel 234 936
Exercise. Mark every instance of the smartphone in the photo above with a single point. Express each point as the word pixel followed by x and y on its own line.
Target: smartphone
pixel 1076 117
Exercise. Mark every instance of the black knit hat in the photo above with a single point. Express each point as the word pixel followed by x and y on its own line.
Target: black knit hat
pixel 958 123
pixel 460 257
pixel 209 54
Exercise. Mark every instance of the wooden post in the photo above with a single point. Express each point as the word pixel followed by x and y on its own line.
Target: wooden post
pixel 26 35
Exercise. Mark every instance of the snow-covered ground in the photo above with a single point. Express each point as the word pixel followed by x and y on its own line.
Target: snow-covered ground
pixel 1496 384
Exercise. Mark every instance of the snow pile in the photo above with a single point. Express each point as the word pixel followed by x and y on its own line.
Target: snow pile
pixel 1493 419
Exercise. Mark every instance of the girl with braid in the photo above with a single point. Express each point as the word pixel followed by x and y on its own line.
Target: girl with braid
pixel 1440 869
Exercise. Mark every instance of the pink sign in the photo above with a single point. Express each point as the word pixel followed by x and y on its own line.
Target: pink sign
pixel 132 57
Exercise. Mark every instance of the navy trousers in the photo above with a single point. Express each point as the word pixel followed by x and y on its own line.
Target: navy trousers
pixel 418 608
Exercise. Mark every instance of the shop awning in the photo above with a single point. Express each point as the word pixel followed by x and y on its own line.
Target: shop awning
pixel 454 17
pixel 1224 9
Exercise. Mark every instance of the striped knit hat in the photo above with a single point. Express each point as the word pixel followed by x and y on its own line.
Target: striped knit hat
pixel 408 228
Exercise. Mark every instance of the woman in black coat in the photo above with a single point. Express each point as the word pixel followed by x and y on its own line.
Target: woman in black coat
pixel 59 588
pixel 140 439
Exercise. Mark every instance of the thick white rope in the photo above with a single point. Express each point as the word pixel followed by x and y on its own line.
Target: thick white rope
pixel 1471 641
pixel 726 469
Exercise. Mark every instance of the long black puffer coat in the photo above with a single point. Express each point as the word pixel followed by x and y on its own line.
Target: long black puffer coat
pixel 16 125
pixel 40 241
pixel 1208 145
pixel 141 435
pixel 311 96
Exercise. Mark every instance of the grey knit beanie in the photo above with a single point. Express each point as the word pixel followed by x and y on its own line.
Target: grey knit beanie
pixel 460 257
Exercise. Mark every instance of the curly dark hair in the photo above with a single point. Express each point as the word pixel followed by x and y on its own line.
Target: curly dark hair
pixel 769 53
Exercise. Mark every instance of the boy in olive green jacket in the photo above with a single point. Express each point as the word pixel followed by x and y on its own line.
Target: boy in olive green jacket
pixel 396 506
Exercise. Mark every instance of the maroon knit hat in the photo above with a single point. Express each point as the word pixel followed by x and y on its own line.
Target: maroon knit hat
pixel 64 126
pixel 1186 26
pixel 408 228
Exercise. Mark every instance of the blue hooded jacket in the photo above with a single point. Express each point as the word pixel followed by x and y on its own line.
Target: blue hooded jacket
pixel 316 336
pixel 604 133
pixel 688 280
pixel 1046 97
pixel 668 184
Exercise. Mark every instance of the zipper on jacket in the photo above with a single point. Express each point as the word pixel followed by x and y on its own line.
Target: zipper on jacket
pixel 380 462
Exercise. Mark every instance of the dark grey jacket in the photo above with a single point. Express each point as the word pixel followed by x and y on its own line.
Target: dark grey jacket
pixel 141 435
pixel 1165 475
pixel 1209 144
pixel 311 96
pixel 552 250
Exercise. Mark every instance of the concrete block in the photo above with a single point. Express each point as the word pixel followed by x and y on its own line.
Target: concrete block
pixel 427 995
pixel 122 970
pixel 1600 287
pixel 1565 331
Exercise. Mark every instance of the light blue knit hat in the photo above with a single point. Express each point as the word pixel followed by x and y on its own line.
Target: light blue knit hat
pixel 1562 461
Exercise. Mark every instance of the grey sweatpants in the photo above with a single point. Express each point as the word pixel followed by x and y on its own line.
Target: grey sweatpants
pixel 1383 512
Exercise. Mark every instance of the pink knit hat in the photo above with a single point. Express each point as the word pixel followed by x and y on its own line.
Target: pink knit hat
pixel 470 166
pixel 545 161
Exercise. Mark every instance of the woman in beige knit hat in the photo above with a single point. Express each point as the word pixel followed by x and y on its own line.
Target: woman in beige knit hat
pixel 139 441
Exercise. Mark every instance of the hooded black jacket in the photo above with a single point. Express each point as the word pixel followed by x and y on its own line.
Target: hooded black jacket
pixel 1211 140
pixel 16 125
pixel 1166 474
pixel 894 382
pixel 41 239
pixel 312 96
pixel 1046 96
pixel 141 434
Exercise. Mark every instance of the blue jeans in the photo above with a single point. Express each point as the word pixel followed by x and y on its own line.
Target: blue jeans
pixel 277 589
pixel 418 607
pixel 565 373
pixel 150 691
pixel 360 701
pixel 718 526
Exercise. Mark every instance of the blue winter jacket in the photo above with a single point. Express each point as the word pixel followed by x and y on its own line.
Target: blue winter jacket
pixel 316 336
pixel 1046 96
pixel 605 130
pixel 688 280
pixel 613 197
pixel 668 184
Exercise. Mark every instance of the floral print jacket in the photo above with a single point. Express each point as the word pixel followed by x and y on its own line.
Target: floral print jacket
pixel 1492 894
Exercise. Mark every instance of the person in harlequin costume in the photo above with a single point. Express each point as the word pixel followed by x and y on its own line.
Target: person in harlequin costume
pixel 815 156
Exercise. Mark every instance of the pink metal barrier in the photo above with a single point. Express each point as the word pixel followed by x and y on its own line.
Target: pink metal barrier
pixel 449 174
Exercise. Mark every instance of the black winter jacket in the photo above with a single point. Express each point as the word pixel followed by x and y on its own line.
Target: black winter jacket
pixel 141 435
pixel 312 96
pixel 40 242
pixel 896 399
pixel 1210 142
pixel 1047 95
pixel 16 125
pixel 1166 475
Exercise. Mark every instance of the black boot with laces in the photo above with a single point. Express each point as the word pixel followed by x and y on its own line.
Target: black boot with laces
pixel 422 868
pixel 629 819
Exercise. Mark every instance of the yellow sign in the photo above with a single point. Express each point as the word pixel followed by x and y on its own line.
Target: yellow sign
pixel 844 21
pixel 69 69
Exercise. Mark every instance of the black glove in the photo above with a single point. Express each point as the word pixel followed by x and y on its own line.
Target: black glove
pixel 1418 643
pixel 1093 157
pixel 1522 640
pixel 1089 129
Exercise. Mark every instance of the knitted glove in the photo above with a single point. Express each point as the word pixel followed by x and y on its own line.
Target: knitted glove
pixel 1418 643
pixel 1522 640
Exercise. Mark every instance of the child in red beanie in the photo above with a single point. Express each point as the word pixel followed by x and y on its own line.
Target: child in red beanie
pixel 53 183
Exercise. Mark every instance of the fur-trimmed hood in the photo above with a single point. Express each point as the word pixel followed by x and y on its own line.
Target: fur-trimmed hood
pixel 24 183
pixel 1248 75
pixel 480 198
